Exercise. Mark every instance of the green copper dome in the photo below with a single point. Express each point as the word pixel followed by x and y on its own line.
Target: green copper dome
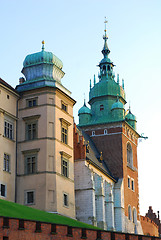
pixel 130 116
pixel 84 110
pixel 117 105
pixel 42 57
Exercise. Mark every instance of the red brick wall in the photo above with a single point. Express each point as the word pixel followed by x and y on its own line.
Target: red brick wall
pixel 13 232
pixel 79 147
pixel 130 197
pixel 149 227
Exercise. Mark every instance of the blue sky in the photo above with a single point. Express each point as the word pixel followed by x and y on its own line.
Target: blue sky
pixel 73 30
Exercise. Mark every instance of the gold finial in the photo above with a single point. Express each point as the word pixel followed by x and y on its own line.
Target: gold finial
pixel 43 42
pixel 101 157
pixel 105 24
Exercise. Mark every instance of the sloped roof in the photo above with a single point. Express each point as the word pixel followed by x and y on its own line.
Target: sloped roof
pixel 7 85
pixel 93 155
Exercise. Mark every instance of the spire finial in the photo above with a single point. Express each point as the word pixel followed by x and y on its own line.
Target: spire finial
pixel 43 43
pixel 105 50
pixel 94 79
pixel 118 80
pixel 123 83
pixel 105 25
pixel 90 84
pixel 129 107
pixel 84 100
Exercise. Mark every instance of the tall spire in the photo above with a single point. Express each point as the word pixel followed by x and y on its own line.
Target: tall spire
pixel 105 50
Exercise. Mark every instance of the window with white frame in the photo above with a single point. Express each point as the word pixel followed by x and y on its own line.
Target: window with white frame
pixel 128 182
pixel 6 162
pixel 105 131
pixel 8 129
pixel 30 197
pixel 93 133
pixel 132 184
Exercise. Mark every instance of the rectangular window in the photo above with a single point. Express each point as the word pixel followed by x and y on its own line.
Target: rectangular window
pixel 132 184
pixel 31 102
pixel 128 182
pixel 8 130
pixel 6 166
pixel 65 200
pixel 64 107
pixel 31 131
pixel 65 134
pixel 29 197
pixel 6 222
pixel 30 167
pixel 64 168
pixel 38 227
pixel 21 224
pixel 3 190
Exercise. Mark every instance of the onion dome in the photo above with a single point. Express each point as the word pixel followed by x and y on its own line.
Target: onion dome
pixel 42 66
pixel 117 105
pixel 84 114
pixel 131 119
pixel 42 57
pixel 84 110
pixel 118 110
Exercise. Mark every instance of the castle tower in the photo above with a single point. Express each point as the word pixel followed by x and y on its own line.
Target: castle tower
pixel 114 134
pixel 45 177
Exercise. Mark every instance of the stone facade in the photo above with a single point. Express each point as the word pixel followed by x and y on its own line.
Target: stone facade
pixel 8 128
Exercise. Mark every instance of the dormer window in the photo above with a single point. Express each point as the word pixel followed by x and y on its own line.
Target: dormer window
pixel 101 107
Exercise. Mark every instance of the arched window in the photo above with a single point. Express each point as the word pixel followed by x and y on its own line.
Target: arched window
pixel 129 213
pixel 129 155
pixel 134 216
pixel 104 67
pixel 105 131
pixel 108 68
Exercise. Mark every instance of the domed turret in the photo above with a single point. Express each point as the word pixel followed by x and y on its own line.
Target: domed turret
pixel 131 119
pixel 42 65
pixel 84 114
pixel 118 110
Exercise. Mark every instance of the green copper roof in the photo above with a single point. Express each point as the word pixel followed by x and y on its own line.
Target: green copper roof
pixel 130 116
pixel 42 57
pixel 117 105
pixel 84 110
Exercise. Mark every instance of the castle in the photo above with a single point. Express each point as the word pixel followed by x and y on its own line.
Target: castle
pixel 88 171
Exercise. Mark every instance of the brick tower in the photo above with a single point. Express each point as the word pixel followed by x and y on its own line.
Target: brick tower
pixel 114 134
